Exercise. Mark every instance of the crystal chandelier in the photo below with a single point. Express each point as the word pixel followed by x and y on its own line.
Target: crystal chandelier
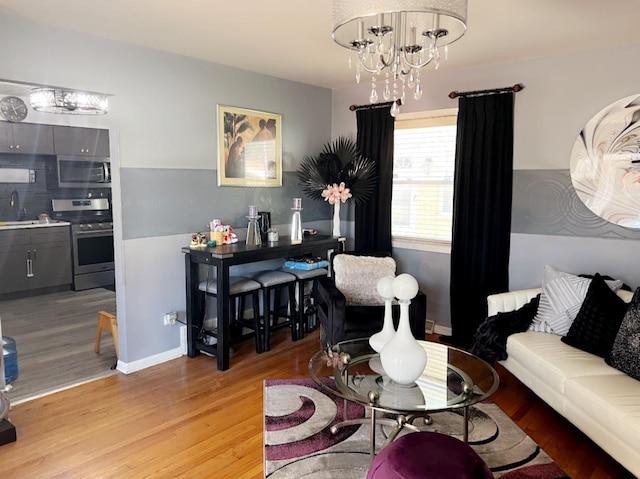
pixel 70 102
pixel 394 39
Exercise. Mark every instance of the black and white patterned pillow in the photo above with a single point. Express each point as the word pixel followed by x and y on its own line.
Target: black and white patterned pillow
pixel 625 353
pixel 561 299
pixel 598 321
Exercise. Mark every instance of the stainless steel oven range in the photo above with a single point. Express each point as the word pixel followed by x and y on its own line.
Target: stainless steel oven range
pixel 91 240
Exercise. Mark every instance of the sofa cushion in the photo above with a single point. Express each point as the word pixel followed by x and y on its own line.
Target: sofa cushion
pixel 612 399
pixel 625 353
pixel 510 300
pixel 357 277
pixel 626 296
pixel 598 321
pixel 546 356
pixel 561 299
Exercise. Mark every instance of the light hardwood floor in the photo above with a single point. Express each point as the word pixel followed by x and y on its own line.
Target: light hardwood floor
pixel 186 419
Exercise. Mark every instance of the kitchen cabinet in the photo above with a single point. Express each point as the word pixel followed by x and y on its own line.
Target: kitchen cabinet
pixel 72 141
pixel 34 258
pixel 26 138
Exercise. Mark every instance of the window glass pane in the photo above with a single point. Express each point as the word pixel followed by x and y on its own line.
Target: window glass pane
pixel 424 159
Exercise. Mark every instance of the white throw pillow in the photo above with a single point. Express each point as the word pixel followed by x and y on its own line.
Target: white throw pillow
pixel 560 300
pixel 357 277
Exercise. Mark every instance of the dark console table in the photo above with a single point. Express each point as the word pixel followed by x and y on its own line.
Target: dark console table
pixel 222 258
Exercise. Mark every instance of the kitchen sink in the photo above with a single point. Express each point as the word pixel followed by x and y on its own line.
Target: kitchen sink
pixel 29 223
pixel 19 223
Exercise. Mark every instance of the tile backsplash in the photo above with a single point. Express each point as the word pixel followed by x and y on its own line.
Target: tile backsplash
pixel 35 198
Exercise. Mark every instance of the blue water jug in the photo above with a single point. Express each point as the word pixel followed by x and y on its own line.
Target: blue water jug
pixel 10 353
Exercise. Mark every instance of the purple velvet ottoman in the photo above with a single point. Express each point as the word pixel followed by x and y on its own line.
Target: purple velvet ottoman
pixel 428 455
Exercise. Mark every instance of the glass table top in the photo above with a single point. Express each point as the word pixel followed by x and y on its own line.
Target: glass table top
pixel 452 378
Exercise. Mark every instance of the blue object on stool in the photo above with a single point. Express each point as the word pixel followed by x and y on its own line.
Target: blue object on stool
pixel 10 353
pixel 428 455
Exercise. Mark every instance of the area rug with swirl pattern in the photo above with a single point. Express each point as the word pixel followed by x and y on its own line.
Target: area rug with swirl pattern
pixel 298 442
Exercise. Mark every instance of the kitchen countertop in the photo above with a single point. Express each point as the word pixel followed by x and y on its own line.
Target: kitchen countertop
pixel 14 225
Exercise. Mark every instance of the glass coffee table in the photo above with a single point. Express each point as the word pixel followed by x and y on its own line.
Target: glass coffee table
pixel 452 379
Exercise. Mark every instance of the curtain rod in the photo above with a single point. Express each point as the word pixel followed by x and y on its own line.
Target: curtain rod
pixel 515 88
pixel 375 105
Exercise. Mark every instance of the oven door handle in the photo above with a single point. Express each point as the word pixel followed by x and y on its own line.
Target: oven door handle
pixel 93 233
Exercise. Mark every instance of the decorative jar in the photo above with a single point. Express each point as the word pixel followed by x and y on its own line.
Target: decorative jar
pixel 403 358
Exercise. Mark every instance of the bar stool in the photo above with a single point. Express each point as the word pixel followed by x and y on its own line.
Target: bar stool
pixel 239 287
pixel 275 281
pixel 109 323
pixel 303 276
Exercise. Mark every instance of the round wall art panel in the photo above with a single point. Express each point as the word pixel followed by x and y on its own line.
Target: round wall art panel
pixel 605 163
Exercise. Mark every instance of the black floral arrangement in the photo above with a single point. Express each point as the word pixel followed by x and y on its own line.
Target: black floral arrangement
pixel 338 172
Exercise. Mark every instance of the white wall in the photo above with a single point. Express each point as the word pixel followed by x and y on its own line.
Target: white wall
pixel 561 94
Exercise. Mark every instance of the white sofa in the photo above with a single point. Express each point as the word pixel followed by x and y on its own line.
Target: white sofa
pixel 601 401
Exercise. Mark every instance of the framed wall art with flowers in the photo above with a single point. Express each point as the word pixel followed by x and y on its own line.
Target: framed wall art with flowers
pixel 249 147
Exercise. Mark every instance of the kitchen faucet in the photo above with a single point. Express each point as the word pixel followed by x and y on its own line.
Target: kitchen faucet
pixel 14 203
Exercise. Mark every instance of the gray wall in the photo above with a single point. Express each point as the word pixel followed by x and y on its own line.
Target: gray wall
pixel 189 199
pixel 162 124
pixel 550 224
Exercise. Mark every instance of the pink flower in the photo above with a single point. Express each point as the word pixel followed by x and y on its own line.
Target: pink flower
pixel 335 193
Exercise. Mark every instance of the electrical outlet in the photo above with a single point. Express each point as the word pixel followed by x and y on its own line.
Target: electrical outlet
pixel 430 326
pixel 170 318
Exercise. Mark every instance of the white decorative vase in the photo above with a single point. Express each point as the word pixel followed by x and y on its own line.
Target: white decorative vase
pixel 403 359
pixel 378 340
pixel 336 218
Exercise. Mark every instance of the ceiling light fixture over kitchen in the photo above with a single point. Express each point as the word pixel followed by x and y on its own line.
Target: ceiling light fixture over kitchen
pixel 397 38
pixel 68 102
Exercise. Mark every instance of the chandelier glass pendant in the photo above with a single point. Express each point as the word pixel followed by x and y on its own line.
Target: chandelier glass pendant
pixel 69 102
pixel 394 39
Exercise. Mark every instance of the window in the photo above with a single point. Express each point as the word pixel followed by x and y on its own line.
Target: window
pixel 423 166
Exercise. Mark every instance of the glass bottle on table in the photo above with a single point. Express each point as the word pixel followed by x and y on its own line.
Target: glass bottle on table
pixel 253 229
pixel 296 221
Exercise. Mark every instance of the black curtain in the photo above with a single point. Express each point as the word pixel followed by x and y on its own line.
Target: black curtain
pixel 375 141
pixel 483 182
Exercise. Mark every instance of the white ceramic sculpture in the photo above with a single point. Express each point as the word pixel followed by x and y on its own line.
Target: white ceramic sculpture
pixel 385 290
pixel 403 359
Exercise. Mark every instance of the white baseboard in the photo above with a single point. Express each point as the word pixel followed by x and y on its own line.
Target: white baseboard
pixel 150 361
pixel 433 328
pixel 442 330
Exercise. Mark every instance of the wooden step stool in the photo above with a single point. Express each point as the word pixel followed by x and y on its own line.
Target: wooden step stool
pixel 109 323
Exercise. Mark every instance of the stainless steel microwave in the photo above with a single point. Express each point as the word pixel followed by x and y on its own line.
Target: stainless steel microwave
pixel 79 172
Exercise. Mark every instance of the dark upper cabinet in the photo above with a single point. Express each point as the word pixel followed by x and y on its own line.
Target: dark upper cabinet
pixel 26 138
pixel 71 141
pixel 6 137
